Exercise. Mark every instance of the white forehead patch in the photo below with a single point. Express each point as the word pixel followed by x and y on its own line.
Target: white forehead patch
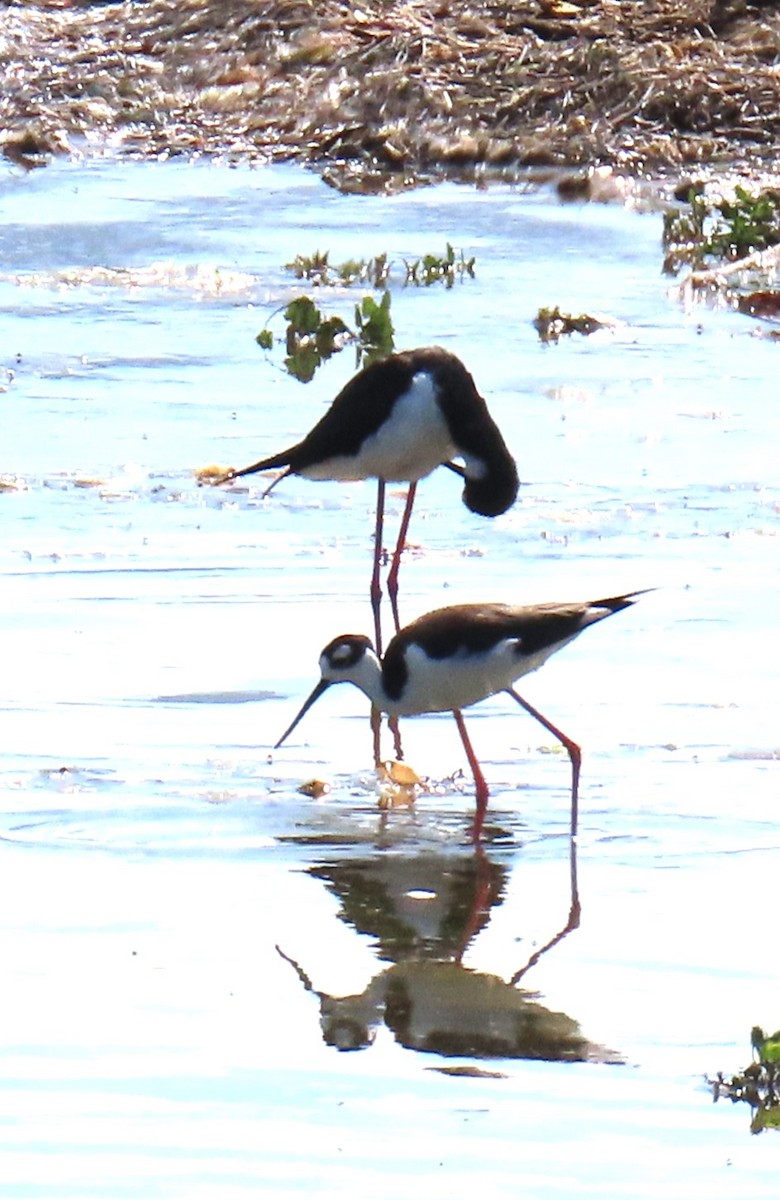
pixel 341 654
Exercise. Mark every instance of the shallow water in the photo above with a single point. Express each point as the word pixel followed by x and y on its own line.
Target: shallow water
pixel 183 932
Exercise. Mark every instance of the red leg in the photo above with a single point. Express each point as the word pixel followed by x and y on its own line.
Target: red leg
pixel 479 779
pixel 575 754
pixel 396 732
pixel 392 575
pixel 376 734
pixel 376 731
pixel 376 587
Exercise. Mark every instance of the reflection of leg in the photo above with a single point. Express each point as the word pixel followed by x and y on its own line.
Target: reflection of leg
pixel 481 792
pixel 572 923
pixel 575 910
pixel 486 890
pixel 376 587
pixel 575 754
pixel 395 566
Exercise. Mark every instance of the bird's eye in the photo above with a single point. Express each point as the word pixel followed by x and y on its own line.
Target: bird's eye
pixel 341 654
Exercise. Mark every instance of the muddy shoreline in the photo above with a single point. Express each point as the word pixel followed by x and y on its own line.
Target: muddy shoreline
pixel 393 94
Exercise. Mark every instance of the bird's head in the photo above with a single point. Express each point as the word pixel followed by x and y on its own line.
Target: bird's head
pixel 343 660
pixel 491 490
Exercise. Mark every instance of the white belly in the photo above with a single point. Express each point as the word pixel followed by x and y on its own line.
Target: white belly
pixel 440 685
pixel 411 443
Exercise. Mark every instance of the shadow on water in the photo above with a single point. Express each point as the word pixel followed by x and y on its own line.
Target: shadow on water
pixel 423 912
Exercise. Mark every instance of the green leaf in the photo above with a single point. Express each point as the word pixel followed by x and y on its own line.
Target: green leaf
pixel 375 326
pixel 303 315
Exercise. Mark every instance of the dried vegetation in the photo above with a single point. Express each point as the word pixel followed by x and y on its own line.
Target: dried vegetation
pixel 407 90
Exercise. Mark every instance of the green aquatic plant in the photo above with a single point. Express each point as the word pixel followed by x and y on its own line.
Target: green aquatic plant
pixel 552 324
pixel 765 1049
pixel 375 272
pixel 310 337
pixel 314 268
pixel 709 231
pixel 433 268
pixel 375 327
pixel 759 1084
pixel 750 222
pixel 683 236
pixel 318 270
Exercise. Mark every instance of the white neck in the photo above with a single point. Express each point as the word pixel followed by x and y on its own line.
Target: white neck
pixel 367 675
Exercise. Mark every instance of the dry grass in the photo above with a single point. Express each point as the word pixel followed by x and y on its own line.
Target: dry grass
pixel 411 88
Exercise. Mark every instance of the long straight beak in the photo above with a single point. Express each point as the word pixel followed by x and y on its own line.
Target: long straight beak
pixel 321 687
pixel 231 475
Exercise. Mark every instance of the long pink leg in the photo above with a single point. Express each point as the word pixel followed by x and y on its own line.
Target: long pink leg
pixel 376 735
pixel 575 754
pixel 376 732
pixel 376 602
pixel 376 586
pixel 396 732
pixel 392 575
pixel 482 793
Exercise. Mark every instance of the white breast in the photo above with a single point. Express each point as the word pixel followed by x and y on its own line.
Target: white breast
pixel 441 684
pixel 412 442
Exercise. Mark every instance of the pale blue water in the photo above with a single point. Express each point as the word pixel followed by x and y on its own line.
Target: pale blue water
pixel 157 637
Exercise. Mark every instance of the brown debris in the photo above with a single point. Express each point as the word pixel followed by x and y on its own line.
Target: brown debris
pixel 410 89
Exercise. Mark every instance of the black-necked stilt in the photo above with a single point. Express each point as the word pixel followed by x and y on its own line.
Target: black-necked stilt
pixel 454 657
pixel 396 421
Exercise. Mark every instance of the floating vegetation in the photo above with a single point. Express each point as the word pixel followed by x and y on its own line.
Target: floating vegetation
pixel 748 223
pixel 732 247
pixel 552 324
pixel 759 1084
pixel 310 337
pixel 375 328
pixel 432 269
pixel 722 229
pixel 315 789
pixel 209 474
pixel 318 270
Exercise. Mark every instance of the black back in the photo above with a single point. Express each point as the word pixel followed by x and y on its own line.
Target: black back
pixel 477 628
pixel 360 408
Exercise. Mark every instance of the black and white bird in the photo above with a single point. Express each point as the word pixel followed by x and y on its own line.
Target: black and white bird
pixel 396 421
pixel 454 657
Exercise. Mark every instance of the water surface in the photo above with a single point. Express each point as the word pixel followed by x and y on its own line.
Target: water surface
pixel 186 937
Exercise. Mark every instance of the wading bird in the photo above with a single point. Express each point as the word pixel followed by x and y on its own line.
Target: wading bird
pixel 454 657
pixel 396 421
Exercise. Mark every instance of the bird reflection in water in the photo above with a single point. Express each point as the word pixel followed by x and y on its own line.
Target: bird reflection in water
pixel 423 912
